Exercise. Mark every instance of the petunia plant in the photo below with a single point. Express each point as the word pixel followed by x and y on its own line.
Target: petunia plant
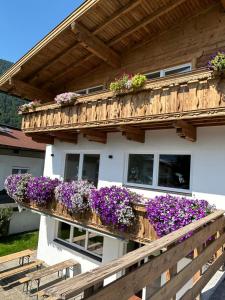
pixel 217 62
pixel 127 82
pixel 169 213
pixel 65 98
pixel 40 190
pixel 114 205
pixel 31 105
pixel 74 195
pixel 16 186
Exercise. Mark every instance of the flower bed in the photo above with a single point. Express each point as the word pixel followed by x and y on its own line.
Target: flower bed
pixel 114 209
pixel 128 82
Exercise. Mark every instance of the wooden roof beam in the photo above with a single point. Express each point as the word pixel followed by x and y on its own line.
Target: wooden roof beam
pixel 133 133
pixel 223 3
pixel 95 45
pixel 95 136
pixel 185 130
pixel 41 138
pixel 67 137
pixel 29 91
pixel 148 19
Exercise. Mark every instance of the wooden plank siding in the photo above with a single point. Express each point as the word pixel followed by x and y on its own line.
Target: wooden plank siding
pixel 196 97
pixel 170 251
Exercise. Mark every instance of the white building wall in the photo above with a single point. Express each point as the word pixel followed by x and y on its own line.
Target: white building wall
pixel 35 166
pixel 207 159
pixel 52 252
pixel 23 221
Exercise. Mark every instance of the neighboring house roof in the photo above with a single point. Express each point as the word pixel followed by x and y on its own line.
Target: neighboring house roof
pixel 12 137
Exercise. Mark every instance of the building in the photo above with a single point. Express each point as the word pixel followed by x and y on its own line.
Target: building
pixel 165 138
pixel 19 155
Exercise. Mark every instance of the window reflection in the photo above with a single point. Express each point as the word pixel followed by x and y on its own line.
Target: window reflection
pixel 174 171
pixel 91 168
pixel 71 167
pixel 140 168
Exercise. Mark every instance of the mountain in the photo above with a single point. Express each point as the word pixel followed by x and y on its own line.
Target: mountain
pixel 9 104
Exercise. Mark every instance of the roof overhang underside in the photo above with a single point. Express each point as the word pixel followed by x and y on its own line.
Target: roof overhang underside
pixel 98 32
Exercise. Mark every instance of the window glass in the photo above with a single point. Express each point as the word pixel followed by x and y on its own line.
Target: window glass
pixel 178 70
pixel 140 168
pixel 82 92
pixel 153 75
pixel 95 243
pixel 71 167
pixel 64 231
pixel 95 89
pixel 174 171
pixel 91 168
pixel 20 171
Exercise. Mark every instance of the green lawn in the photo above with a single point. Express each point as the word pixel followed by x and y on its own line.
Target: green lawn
pixel 18 242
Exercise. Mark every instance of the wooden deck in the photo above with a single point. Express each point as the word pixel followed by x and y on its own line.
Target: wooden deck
pixel 172 251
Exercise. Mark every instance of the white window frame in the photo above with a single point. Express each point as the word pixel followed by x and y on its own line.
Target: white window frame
pixel 87 90
pixel 155 185
pixel 163 71
pixel 21 168
pixel 81 161
pixel 70 242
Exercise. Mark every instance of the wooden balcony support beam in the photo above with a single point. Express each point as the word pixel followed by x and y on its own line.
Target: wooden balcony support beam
pixel 185 130
pixel 133 133
pixel 95 45
pixel 67 137
pixel 41 138
pixel 95 136
pixel 31 92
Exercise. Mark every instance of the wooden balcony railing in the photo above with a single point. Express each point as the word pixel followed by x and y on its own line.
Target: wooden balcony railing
pixel 141 268
pixel 196 97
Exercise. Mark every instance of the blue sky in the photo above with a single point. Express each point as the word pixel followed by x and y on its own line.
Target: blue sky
pixel 24 22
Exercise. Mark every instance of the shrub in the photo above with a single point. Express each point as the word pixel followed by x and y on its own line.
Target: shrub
pixel 169 213
pixel 114 205
pixel 74 195
pixel 5 215
pixel 16 186
pixel 40 190
pixel 127 82
pixel 66 97
pixel 217 62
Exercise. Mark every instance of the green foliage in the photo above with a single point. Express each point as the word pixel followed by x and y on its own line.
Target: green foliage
pixel 5 215
pixel 18 242
pixel 217 63
pixel 138 81
pixel 8 104
pixel 127 82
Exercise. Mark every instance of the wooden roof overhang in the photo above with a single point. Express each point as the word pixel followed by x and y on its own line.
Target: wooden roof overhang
pixel 98 32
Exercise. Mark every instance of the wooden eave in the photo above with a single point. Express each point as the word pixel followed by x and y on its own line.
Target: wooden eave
pixel 108 28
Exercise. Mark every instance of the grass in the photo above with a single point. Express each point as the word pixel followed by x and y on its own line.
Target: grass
pixel 18 242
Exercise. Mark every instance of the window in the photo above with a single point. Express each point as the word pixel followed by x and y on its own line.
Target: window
pixel 174 171
pixel 140 168
pixel 159 171
pixel 82 239
pixel 19 170
pixel 90 90
pixel 91 167
pixel 170 71
pixel 71 167
pixel 82 166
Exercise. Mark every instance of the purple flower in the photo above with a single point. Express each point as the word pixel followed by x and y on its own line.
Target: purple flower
pixel 114 205
pixel 74 195
pixel 169 213
pixel 41 189
pixel 16 185
pixel 66 97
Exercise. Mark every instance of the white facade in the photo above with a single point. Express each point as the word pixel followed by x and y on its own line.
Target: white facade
pixel 8 162
pixel 206 179
pixel 207 159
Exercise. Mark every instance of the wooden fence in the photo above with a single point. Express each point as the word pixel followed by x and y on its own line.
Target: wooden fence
pixel 143 267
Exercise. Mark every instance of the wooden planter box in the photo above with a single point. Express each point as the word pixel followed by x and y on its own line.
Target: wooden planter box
pixel 141 231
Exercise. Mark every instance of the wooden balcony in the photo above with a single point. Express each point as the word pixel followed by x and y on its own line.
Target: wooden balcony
pixel 183 102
